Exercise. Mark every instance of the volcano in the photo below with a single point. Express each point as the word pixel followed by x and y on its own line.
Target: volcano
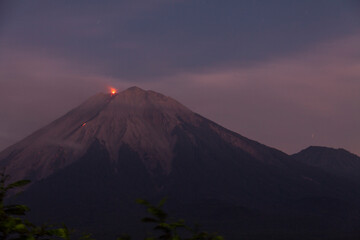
pixel 89 166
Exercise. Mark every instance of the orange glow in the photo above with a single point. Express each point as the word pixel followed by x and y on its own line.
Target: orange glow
pixel 113 91
pixel 83 124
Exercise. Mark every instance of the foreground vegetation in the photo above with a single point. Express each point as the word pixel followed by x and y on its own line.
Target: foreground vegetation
pixel 15 226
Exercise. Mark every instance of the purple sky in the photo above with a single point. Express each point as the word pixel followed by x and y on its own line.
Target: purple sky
pixel 285 73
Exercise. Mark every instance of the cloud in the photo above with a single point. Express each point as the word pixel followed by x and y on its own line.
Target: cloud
pixel 283 102
pixel 144 40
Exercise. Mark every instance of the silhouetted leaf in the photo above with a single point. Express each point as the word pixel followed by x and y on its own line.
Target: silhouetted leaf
pixel 16 209
pixel 20 183
pixel 162 202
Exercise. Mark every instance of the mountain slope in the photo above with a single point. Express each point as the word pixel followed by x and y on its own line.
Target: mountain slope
pixel 89 166
pixel 336 161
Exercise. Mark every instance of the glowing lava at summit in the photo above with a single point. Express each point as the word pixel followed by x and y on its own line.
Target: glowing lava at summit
pixel 113 91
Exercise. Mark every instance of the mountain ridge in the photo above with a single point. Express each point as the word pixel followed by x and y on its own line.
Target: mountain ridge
pixel 335 161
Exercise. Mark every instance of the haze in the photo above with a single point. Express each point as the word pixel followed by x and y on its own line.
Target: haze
pixel 284 73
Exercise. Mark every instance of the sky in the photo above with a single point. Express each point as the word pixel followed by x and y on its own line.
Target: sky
pixel 285 73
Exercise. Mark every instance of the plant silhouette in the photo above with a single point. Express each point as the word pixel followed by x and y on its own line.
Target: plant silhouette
pixel 14 225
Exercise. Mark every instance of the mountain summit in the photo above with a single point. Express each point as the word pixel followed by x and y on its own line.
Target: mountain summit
pixel 95 160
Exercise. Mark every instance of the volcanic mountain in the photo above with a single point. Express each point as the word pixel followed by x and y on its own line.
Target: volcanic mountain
pixel 142 120
pixel 88 166
pixel 336 161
